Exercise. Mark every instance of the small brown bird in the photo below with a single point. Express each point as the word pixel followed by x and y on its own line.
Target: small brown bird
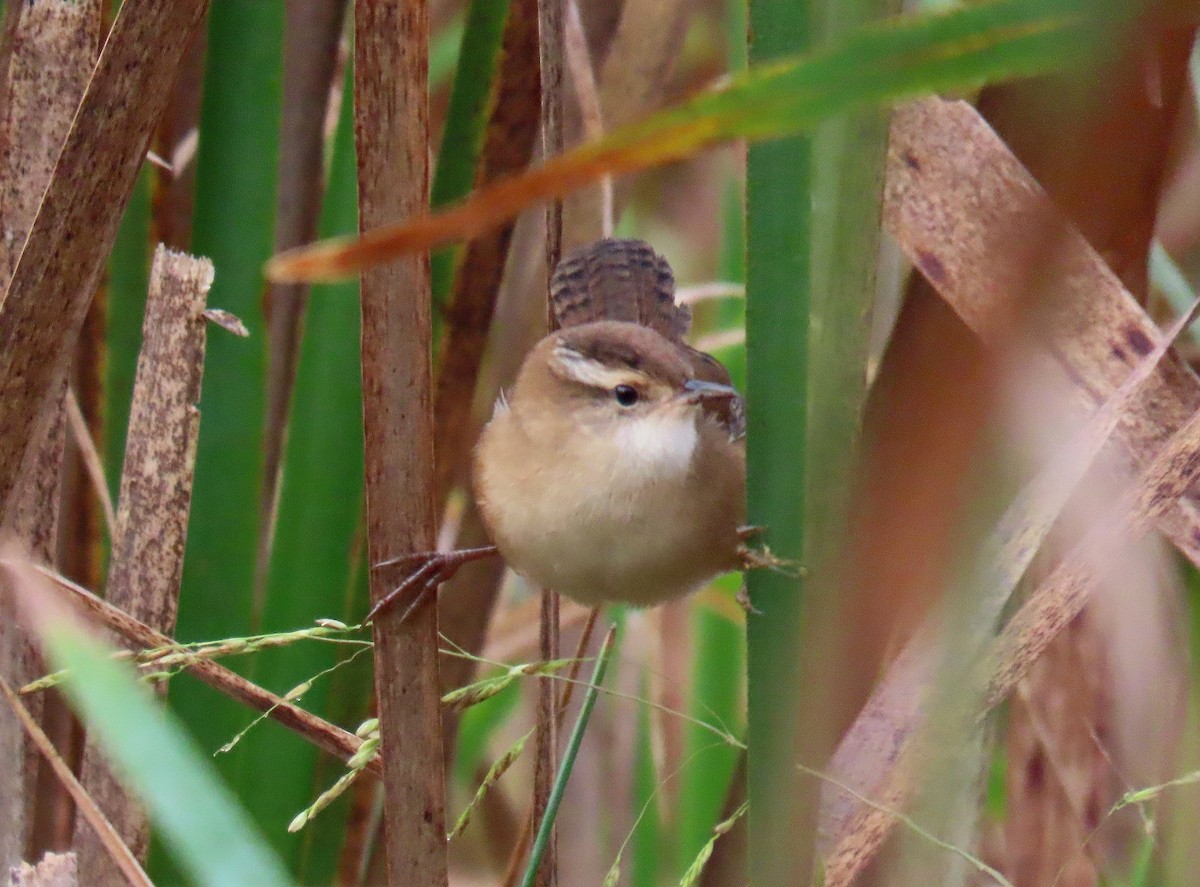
pixel 614 469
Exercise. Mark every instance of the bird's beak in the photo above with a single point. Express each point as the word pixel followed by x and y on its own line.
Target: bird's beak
pixel 698 391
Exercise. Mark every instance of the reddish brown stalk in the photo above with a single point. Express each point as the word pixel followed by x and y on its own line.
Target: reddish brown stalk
pixel 154 503
pixel 392 130
pixel 550 42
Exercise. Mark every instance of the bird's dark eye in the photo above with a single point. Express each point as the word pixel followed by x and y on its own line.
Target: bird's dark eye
pixel 626 395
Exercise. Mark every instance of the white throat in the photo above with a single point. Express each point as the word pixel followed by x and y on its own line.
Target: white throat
pixel 657 445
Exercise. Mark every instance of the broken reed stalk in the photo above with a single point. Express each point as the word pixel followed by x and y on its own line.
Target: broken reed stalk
pixel 392 129
pixel 154 503
pixel 136 635
pixel 50 54
pixel 550 55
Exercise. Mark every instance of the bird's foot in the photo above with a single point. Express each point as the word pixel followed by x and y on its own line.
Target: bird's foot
pixel 750 531
pixel 426 570
pixel 763 559
pixel 743 599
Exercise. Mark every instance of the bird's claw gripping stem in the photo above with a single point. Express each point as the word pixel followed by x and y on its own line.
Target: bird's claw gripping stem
pixel 762 558
pixel 428 570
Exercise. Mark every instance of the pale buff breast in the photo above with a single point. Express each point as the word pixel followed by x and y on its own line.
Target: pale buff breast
pixel 611 517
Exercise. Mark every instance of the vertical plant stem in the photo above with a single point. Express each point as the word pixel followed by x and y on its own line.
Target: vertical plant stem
pixel 550 40
pixel 778 284
pixel 542 842
pixel 317 543
pixel 236 175
pixel 392 126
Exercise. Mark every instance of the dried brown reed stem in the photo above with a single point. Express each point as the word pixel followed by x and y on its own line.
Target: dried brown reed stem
pixel 77 219
pixel 1097 329
pixel 1110 189
pixel 392 125
pixel 150 534
pixel 50 50
pixel 550 43
pixel 312 32
pixel 324 735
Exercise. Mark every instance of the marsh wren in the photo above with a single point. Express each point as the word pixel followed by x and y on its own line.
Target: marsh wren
pixel 614 468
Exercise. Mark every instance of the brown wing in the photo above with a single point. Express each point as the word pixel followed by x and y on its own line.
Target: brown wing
pixel 618 280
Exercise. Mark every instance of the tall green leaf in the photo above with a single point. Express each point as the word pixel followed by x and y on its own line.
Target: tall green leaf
pixel 319 509
pixel 233 222
pixel 778 298
pixel 466 120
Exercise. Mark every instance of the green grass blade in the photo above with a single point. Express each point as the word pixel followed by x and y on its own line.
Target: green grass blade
pixel 466 115
pixel 233 225
pixel 778 298
pixel 319 508
pixel 208 833
pixel 466 120
pixel 568 762
pixel 719 657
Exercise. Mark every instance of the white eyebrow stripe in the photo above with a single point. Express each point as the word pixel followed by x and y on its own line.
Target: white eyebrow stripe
pixel 586 371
